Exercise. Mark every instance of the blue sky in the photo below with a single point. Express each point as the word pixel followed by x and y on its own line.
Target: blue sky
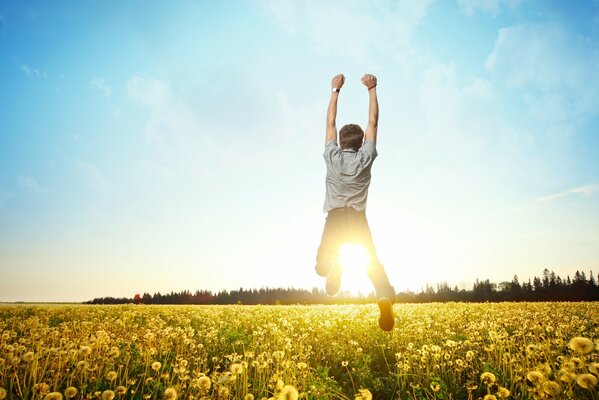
pixel 153 146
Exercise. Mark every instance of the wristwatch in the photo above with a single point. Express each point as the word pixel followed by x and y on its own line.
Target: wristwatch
pixel 336 90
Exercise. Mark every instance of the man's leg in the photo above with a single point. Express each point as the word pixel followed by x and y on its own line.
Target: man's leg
pixel 385 293
pixel 327 257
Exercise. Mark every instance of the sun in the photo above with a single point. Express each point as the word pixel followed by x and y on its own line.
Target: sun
pixel 354 259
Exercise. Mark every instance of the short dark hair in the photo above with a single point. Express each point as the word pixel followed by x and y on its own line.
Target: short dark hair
pixel 351 136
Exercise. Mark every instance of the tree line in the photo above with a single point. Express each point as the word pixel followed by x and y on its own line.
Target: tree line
pixel 548 287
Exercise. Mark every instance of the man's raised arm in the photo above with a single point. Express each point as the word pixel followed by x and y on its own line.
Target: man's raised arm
pixel 373 108
pixel 336 84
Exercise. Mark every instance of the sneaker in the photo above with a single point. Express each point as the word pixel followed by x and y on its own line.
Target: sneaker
pixel 334 280
pixel 386 320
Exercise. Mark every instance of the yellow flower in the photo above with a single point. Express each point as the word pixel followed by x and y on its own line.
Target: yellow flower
pixel 471 386
pixel 223 392
pixel 170 394
pixel 364 394
pixel 288 393
pixel 204 383
pixel 594 368
pixel 29 356
pixel 111 375
pixel 586 381
pixel 435 387
pixel 85 350
pixel 236 369
pixel 344 363
pixel 581 345
pixel 552 388
pixel 2 393
pixel 487 378
pixel 53 396
pixel 108 395
pixel 503 393
pixel 248 396
pixel 70 392
pixel 156 365
pixel 535 377
pixel 43 388
pixel 489 397
pixel 114 352
pixel 121 390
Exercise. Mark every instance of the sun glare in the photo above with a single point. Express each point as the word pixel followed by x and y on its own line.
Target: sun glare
pixel 354 260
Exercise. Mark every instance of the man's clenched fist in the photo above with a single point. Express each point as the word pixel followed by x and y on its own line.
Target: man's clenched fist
pixel 338 81
pixel 369 81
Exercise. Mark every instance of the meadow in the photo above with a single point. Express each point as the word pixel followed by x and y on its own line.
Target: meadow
pixel 436 351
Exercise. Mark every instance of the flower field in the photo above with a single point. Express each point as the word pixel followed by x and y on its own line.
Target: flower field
pixel 436 351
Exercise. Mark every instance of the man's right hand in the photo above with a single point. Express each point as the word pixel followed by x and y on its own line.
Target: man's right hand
pixel 369 81
pixel 338 81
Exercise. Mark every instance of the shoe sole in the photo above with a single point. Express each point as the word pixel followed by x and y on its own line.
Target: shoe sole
pixel 386 320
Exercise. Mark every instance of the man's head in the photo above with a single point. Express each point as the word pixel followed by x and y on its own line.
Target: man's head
pixel 351 137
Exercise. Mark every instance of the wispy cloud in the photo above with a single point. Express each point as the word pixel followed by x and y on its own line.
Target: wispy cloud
pixel 353 28
pixel 558 71
pixel 492 7
pixel 102 86
pixel 584 191
pixel 30 71
pixel 30 184
pixel 93 177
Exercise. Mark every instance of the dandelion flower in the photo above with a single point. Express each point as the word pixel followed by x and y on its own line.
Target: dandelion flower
pixel 489 397
pixel 121 390
pixel 248 396
pixel 503 393
pixel 535 377
pixel 581 345
pixel 552 388
pixel 170 394
pixel 204 383
pixel 114 352
pixel 594 368
pixel 111 375
pixel 29 356
pixel 223 392
pixel 435 387
pixel 302 365
pixel 53 396
pixel 236 369
pixel 364 394
pixel 85 350
pixel 2 393
pixel 70 392
pixel 487 378
pixel 288 393
pixel 108 395
pixel 156 365
pixel 586 381
pixel 471 386
pixel 43 388
pixel 344 363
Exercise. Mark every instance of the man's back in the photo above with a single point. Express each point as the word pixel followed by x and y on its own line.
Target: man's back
pixel 348 175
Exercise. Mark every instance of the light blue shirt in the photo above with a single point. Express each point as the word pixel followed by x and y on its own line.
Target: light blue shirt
pixel 348 175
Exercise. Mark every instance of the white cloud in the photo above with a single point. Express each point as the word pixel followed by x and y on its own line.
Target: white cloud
pixel 585 191
pixel 29 71
pixel 479 88
pixel 354 28
pixel 558 71
pixel 148 92
pixel 93 177
pixel 492 7
pixel 102 86
pixel 30 184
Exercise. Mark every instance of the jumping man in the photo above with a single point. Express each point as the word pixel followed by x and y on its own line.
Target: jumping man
pixel 347 180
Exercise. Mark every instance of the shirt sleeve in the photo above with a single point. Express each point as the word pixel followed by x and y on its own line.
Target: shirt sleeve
pixel 367 152
pixel 331 150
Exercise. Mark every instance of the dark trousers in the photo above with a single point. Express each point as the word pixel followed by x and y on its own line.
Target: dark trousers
pixel 346 225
